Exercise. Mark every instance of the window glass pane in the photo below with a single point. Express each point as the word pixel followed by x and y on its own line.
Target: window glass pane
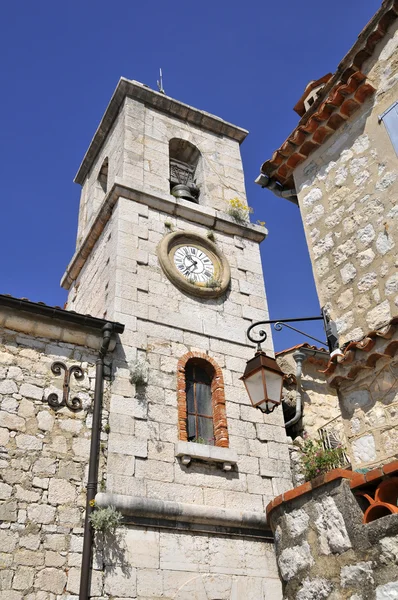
pixel 191 427
pixel 201 376
pixel 189 376
pixel 390 120
pixel 206 432
pixel 190 399
pixel 203 399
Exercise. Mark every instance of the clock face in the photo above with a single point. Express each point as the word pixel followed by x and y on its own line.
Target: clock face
pixel 194 264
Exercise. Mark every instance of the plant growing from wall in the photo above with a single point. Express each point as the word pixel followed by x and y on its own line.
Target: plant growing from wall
pixel 210 236
pixel 213 283
pixel 239 211
pixel 168 225
pixel 316 460
pixel 139 373
pixel 105 519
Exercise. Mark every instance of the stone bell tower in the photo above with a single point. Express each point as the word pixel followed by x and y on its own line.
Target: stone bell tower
pixel 157 251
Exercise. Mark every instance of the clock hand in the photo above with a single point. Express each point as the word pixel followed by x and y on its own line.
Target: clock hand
pixel 194 262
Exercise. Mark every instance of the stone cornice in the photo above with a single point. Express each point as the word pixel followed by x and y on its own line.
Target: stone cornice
pixel 142 93
pixel 178 512
pixel 196 213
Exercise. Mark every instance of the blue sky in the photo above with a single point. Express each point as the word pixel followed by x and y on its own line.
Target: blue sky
pixel 247 62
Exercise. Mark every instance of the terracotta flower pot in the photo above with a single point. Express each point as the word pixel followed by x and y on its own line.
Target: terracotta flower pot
pixel 387 491
pixel 379 510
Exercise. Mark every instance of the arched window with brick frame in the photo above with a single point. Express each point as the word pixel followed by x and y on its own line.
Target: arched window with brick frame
pixel 201 400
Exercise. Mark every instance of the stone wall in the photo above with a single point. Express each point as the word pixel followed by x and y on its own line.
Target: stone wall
pixel 43 457
pixel 369 407
pixel 141 563
pixel 324 551
pixel 348 192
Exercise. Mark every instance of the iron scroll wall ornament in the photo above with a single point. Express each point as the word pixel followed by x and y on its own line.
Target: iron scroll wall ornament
pixel 72 403
pixel 261 335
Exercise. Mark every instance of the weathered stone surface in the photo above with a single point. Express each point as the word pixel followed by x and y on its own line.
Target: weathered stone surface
pixel 389 591
pixel 8 540
pixel 61 492
pixel 314 589
pixel 380 315
pixel 352 575
pixel 23 578
pixel 292 560
pixel 41 513
pixel 7 386
pixel 31 391
pixel 313 196
pixel 364 449
pixel 348 273
pixel 12 422
pixel 297 522
pixel 29 442
pixel 51 580
pixel 384 243
pixel 332 532
pixel 45 420
pixel 120 584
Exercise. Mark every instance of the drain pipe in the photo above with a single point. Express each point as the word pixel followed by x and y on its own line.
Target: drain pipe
pixel 300 356
pixel 85 575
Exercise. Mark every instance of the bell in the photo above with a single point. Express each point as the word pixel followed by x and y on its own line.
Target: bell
pixel 183 191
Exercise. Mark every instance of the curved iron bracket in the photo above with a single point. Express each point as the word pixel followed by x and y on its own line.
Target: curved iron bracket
pixel 72 403
pixel 278 324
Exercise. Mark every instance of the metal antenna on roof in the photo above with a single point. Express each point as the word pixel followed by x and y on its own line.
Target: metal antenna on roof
pixel 160 82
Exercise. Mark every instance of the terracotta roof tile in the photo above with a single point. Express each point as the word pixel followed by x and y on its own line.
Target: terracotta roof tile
pixel 299 107
pixel 354 354
pixel 304 345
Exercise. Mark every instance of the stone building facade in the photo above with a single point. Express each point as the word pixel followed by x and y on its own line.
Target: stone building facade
pixel 343 166
pixel 193 506
pixel 44 450
pixel 340 166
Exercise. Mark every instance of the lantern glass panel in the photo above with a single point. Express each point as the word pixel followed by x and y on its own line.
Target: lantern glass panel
pixel 274 385
pixel 255 386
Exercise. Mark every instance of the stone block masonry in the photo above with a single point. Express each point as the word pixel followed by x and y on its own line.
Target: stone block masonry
pixel 348 191
pixel 323 549
pixel 43 462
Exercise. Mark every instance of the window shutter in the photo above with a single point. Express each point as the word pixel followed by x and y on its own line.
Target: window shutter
pixel 390 120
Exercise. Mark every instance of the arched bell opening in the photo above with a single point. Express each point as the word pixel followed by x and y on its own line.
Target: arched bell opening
pixel 185 170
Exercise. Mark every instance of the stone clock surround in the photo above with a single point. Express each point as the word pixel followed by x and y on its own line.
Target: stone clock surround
pixel 222 270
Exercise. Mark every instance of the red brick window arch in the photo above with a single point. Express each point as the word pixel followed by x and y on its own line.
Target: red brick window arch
pixel 201 400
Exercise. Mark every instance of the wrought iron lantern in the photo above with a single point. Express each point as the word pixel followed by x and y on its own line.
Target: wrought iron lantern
pixel 263 379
